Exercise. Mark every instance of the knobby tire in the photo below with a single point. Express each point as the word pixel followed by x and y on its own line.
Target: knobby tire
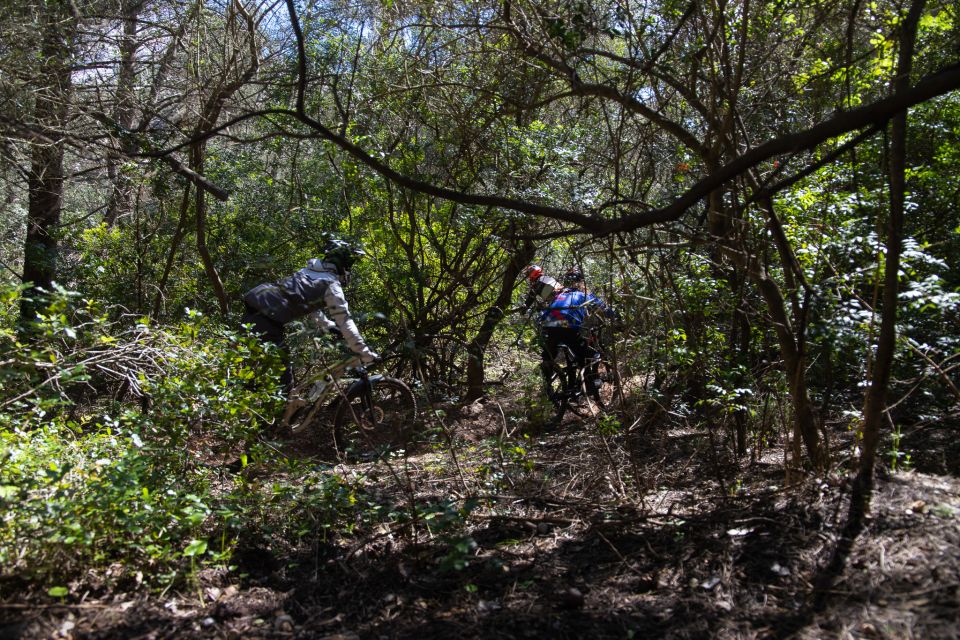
pixel 376 420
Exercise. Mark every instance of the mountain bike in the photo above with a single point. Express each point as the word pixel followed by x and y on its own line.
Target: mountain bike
pixel 372 414
pixel 593 387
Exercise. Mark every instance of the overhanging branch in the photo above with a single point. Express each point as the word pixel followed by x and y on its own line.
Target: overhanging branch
pixel 589 220
pixel 934 85
pixel 200 181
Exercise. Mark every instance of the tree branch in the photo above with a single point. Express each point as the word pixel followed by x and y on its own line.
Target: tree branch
pixel 589 221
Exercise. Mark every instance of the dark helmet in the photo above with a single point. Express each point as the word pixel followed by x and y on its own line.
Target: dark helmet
pixel 572 277
pixel 342 254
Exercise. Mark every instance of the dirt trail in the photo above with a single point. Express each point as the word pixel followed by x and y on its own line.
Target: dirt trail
pixel 578 536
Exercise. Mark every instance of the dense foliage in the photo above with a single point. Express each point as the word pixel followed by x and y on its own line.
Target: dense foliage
pixel 160 158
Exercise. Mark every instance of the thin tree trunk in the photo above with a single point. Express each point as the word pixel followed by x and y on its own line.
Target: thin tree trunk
pixel 794 364
pixel 178 236
pixel 791 345
pixel 792 340
pixel 209 114
pixel 200 215
pixel 875 400
pixel 121 199
pixel 478 346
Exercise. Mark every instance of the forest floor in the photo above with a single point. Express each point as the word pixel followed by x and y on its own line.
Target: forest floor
pixel 661 534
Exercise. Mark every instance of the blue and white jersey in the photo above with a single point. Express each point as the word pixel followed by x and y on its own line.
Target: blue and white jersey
pixel 571 307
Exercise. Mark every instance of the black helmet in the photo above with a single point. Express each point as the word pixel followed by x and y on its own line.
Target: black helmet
pixel 342 254
pixel 572 277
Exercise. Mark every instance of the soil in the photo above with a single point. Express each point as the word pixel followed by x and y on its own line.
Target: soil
pixel 639 534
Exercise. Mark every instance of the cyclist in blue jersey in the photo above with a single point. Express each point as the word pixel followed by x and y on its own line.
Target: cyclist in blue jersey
pixel 566 320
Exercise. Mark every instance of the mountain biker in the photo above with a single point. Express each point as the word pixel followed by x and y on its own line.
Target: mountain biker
pixel 309 292
pixel 573 279
pixel 568 318
pixel 542 288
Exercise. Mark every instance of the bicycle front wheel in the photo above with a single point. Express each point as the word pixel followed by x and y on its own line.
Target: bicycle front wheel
pixel 376 419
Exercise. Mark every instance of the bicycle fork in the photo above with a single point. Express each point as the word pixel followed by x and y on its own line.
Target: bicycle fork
pixel 362 388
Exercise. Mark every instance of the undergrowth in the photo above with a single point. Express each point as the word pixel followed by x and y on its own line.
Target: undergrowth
pixel 113 438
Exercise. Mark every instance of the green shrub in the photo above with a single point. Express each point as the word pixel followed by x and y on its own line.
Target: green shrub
pixel 110 439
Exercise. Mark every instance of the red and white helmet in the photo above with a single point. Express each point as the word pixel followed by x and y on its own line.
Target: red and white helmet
pixel 533 272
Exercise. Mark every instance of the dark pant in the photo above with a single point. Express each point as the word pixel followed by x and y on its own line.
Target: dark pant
pixel 553 337
pixel 579 346
pixel 270 331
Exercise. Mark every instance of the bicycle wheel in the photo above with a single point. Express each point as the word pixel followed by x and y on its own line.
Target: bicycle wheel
pixel 601 379
pixel 552 382
pixel 611 389
pixel 558 386
pixel 590 390
pixel 375 420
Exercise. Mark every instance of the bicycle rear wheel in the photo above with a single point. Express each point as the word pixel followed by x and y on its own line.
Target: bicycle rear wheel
pixel 375 420
pixel 558 386
pixel 553 385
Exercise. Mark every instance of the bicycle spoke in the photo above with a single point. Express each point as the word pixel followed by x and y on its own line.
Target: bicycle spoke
pixel 376 420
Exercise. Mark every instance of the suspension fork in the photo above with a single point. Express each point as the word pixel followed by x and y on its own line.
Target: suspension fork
pixel 364 385
pixel 361 388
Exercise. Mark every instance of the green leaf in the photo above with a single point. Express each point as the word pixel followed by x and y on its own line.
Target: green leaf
pixel 58 592
pixel 195 548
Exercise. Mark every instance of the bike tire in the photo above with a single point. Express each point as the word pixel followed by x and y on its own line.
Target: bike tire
pixel 557 387
pixel 601 388
pixel 611 390
pixel 376 420
pixel 552 383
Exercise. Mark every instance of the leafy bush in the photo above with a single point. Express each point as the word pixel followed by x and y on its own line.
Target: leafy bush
pixel 86 483
pixel 113 439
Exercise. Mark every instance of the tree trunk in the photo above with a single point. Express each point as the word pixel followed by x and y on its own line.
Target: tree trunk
pixel 212 106
pixel 478 346
pixel 198 151
pixel 791 340
pixel 45 178
pixel 121 199
pixel 174 247
pixel 794 365
pixel 791 350
pixel 875 400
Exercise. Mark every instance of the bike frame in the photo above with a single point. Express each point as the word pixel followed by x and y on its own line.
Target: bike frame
pixel 574 380
pixel 325 390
